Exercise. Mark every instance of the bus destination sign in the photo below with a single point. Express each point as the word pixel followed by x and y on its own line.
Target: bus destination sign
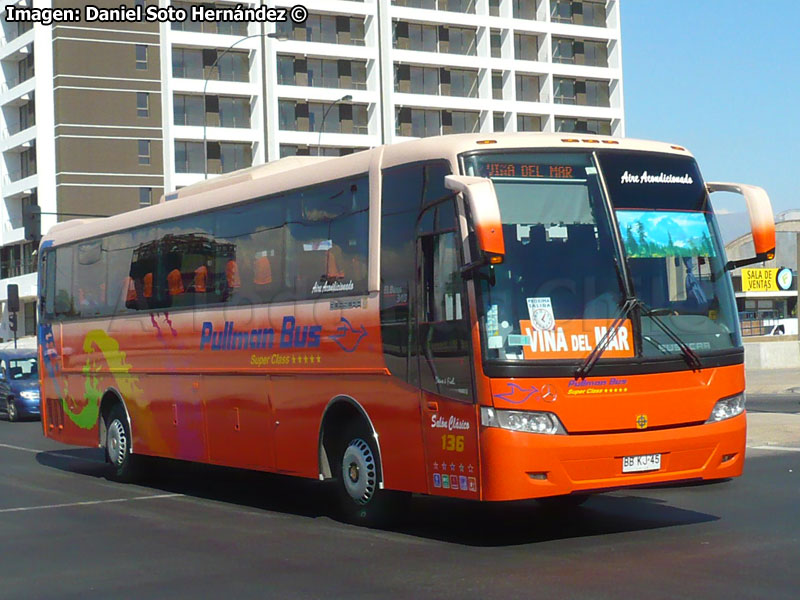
pixel 528 170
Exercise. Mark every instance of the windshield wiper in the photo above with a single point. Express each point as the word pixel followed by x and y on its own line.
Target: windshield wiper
pixel 601 346
pixel 690 355
pixel 630 304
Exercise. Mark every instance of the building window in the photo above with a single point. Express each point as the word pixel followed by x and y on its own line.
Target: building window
pixel 527 88
pixel 585 12
pixel 235 156
pixel 142 104
pixel 234 112
pixel 341 118
pixel 27 163
pixel 580 52
pixel 144 152
pixel 25 67
pixel 420 37
pixel 327 29
pixel 494 8
pixel 27 115
pixel 418 122
pixel 524 9
pixel 188 110
pixel 321 72
pixel 187 63
pixel 141 57
pixel 497 85
pixel 459 121
pixel 564 91
pixel 498 122
pixel 582 92
pixel 595 54
pixel 561 11
pixel 563 51
pixel 529 123
pixel 463 83
pixel 526 47
pixel 233 66
pixel 570 125
pixel 496 42
pixel 462 6
pixel 145 196
pixel 189 157
pixel 458 40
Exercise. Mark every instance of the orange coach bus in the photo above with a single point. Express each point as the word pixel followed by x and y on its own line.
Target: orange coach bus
pixel 502 318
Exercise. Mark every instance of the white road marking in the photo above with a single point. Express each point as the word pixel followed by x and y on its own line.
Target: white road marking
pixel 88 503
pixel 776 448
pixel 10 447
pixel 60 453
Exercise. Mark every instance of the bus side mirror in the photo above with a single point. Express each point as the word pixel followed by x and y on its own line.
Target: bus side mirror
pixel 483 206
pixel 762 222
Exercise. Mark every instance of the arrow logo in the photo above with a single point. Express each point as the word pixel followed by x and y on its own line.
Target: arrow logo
pixel 348 337
pixel 516 394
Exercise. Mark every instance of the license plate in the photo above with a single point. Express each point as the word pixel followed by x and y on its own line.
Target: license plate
pixel 645 462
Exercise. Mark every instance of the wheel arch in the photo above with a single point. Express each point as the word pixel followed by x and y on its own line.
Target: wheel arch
pixel 343 409
pixel 111 397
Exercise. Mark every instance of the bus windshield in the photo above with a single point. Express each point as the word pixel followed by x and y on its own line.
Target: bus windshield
pixel 560 284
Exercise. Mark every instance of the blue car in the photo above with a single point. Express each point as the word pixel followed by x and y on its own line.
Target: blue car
pixel 19 384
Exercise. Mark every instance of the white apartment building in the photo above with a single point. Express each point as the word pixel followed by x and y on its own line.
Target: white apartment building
pixel 98 118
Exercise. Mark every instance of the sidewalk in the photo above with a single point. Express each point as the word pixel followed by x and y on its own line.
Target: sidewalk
pixel 772 381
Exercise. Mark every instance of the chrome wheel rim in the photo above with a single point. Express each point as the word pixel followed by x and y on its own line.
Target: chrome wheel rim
pixel 359 473
pixel 116 442
pixel 11 410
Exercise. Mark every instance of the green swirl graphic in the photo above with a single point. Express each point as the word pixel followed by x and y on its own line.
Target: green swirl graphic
pixel 84 413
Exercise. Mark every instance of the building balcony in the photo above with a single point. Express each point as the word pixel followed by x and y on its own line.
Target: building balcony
pixel 16 93
pixel 217 87
pixel 217 134
pixel 320 94
pixel 15 186
pixel 15 49
pixel 19 141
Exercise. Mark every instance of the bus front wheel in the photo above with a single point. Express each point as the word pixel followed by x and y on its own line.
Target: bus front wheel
pixel 118 446
pixel 358 481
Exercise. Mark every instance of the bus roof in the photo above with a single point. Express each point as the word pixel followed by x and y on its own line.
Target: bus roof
pixel 294 172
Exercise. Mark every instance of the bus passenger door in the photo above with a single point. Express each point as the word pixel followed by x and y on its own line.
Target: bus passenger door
pixel 444 356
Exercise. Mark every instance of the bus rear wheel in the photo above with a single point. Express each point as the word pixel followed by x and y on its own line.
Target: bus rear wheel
pixel 124 465
pixel 361 500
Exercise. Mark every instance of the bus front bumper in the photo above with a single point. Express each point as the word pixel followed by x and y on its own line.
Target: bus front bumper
pixel 517 466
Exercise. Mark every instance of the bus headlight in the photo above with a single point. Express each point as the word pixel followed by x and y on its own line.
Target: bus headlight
pixel 727 408
pixel 30 394
pixel 522 420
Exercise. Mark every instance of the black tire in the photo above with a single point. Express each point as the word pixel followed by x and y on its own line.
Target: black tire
pixel 124 465
pixel 357 474
pixel 11 410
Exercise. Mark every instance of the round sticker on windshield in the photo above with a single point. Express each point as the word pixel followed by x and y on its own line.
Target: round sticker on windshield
pixel 784 278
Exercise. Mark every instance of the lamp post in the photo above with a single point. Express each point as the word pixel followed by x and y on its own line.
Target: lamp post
pixel 275 36
pixel 345 98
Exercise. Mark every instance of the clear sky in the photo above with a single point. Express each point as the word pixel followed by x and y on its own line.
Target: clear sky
pixel 722 78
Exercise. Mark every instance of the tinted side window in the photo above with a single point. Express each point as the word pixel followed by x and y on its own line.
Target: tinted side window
pixel 144 270
pixel 121 295
pixel 405 190
pixel 89 279
pixel 184 276
pixel 250 253
pixel 328 238
pixel 63 301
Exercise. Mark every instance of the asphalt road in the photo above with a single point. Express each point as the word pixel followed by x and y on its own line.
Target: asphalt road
pixel 199 532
